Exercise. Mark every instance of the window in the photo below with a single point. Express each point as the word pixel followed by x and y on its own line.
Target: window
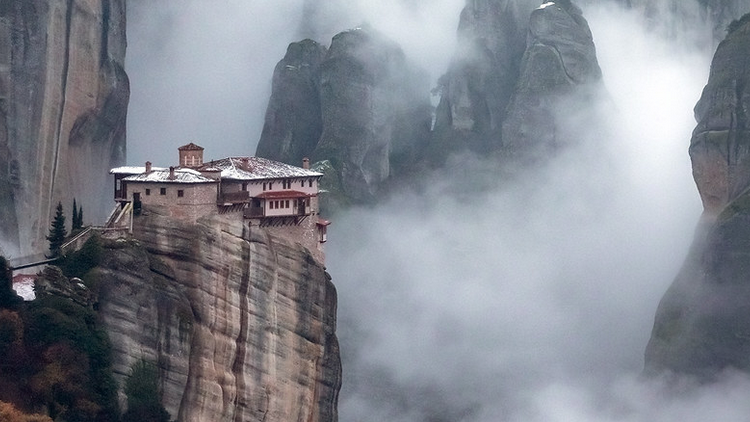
pixel 118 184
pixel 270 186
pixel 148 192
pixel 286 204
pixel 264 186
pixel 302 183
pixel 311 182
pixel 244 187
pixel 270 204
pixel 162 191
pixel 180 193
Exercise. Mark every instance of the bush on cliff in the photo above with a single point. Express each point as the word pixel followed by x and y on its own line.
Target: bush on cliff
pixel 55 357
pixel 142 390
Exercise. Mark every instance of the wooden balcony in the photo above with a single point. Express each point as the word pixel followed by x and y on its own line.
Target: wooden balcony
pixel 233 198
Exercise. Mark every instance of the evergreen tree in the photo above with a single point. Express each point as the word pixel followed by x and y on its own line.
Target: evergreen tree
pixel 75 217
pixel 142 391
pixel 57 232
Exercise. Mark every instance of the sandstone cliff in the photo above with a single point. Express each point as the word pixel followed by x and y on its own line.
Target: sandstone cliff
pixel 477 88
pixel 363 107
pixel 555 99
pixel 63 100
pixel 519 71
pixel 241 324
pixel 702 324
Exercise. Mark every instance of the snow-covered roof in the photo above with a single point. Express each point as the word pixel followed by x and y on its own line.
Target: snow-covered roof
pixel 23 284
pixel 257 168
pixel 132 170
pixel 190 147
pixel 181 175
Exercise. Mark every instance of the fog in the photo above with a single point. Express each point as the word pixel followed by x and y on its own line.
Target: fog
pixel 201 71
pixel 531 299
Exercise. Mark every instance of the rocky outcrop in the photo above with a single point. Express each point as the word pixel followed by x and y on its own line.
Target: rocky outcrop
pixel 63 99
pixel 294 122
pixel 702 324
pixel 476 90
pixel 240 323
pixel 372 115
pixel 720 148
pixel 520 69
pixel 558 87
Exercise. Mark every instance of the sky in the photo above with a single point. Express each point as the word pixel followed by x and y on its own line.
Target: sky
pixel 531 300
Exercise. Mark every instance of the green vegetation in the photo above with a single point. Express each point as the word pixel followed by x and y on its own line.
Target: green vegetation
pixel 142 390
pixel 57 232
pixel 80 262
pixel 77 217
pixel 55 357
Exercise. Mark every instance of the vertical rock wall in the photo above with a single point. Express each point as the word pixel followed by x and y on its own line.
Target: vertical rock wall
pixel 702 325
pixel 359 104
pixel 240 323
pixel 63 100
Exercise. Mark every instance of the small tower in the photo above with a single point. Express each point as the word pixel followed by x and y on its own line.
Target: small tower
pixel 191 155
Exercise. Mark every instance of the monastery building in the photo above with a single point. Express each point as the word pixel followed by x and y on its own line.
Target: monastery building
pixel 263 193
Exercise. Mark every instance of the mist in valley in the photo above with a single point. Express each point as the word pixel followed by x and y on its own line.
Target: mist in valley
pixel 477 295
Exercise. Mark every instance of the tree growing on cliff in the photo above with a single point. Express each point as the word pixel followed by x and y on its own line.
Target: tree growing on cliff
pixel 57 232
pixel 75 223
pixel 142 390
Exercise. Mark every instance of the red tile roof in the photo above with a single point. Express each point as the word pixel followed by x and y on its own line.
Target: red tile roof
pixel 283 194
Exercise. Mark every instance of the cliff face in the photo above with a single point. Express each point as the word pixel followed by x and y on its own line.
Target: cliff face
pixel 559 85
pixel 520 69
pixel 293 121
pixel 363 107
pixel 702 324
pixel 241 324
pixel 476 90
pixel 63 100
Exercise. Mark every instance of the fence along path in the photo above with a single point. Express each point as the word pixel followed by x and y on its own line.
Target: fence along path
pixel 118 220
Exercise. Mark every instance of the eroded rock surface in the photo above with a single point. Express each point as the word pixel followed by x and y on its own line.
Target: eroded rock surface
pixel 702 325
pixel 363 108
pixel 294 121
pixel 241 324
pixel 63 100
pixel 559 86
pixel 476 90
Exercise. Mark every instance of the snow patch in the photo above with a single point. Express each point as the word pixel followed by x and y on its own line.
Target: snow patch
pixel 546 5
pixel 23 284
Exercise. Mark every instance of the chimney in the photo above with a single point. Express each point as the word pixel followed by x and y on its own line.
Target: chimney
pixel 148 166
pixel 306 163
pixel 245 163
pixel 171 172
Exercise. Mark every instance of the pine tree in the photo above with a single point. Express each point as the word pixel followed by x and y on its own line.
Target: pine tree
pixel 57 232
pixel 77 216
pixel 75 225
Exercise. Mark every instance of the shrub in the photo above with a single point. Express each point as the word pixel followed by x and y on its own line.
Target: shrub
pixel 142 390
